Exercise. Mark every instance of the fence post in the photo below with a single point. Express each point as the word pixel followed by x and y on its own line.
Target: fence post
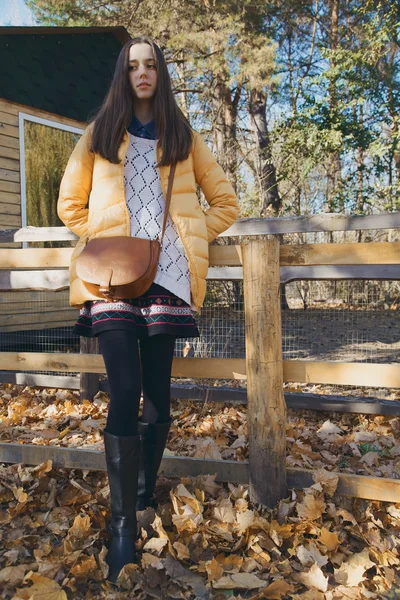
pixel 89 385
pixel 266 405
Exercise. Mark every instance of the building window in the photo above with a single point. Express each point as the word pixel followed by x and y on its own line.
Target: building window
pixel 45 149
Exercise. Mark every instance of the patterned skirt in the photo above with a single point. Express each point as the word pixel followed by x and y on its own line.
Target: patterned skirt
pixel 156 311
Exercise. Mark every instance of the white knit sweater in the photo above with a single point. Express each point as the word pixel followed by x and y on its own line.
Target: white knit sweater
pixel 145 201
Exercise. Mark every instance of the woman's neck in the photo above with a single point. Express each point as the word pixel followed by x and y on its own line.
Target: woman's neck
pixel 144 111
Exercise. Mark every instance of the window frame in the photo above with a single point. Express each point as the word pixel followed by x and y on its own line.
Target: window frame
pixel 22 117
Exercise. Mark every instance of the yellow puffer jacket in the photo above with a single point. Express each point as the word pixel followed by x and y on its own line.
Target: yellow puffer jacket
pixel 92 204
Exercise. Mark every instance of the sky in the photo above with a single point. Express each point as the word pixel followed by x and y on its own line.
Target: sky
pixel 15 12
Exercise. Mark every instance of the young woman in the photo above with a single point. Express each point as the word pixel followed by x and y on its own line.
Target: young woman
pixel 115 184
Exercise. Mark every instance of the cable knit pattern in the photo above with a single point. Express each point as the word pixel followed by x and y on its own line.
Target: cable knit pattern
pixel 146 204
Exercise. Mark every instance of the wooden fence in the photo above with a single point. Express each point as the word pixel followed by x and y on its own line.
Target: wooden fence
pixel 263 265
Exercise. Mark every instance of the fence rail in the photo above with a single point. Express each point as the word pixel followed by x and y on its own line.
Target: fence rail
pixel 274 226
pixel 375 260
pixel 301 371
pixel 360 486
pixel 371 253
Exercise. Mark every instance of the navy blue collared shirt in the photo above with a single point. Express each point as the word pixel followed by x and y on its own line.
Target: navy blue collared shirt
pixel 148 131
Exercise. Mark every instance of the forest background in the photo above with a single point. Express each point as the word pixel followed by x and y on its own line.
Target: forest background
pixel 299 99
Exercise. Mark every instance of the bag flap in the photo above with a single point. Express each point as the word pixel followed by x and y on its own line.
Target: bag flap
pixel 125 258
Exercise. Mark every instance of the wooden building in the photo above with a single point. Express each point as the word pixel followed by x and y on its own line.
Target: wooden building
pixel 52 80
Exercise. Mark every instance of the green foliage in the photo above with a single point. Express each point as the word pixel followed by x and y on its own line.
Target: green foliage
pixel 332 102
pixel 364 447
pixel 249 205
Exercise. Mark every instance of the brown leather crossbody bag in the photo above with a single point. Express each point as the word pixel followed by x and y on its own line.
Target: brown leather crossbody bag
pixel 122 266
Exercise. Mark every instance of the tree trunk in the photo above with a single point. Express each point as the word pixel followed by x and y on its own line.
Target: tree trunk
pixel 270 201
pixel 225 110
pixel 334 167
pixel 360 171
pixel 180 69
pixel 394 114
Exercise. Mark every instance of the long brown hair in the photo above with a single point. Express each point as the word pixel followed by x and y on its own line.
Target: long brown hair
pixel 173 130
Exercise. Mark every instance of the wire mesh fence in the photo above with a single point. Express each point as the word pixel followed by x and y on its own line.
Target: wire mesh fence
pixel 337 321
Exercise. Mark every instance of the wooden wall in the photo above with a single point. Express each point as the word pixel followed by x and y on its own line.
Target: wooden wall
pixel 10 182
pixel 35 310
pixel 23 311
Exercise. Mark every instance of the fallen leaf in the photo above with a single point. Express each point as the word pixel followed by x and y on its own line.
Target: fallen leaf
pixel 240 581
pixel 329 539
pixel 315 595
pixel 178 572
pixel 311 508
pixel 327 479
pixel 158 527
pixel 308 555
pixel 241 505
pixel 155 545
pixel 230 563
pixel 328 428
pixel 186 497
pixel 184 523
pixel 84 568
pixel 102 562
pixel 49 570
pixel 347 516
pixel 370 458
pixel 313 579
pixel 12 555
pixel 43 468
pixel 249 565
pixel 278 533
pixel 277 589
pixel 286 508
pixel 182 551
pixel 364 436
pixel 128 576
pixel 224 511
pixel 208 484
pixel 394 512
pixel 80 527
pixel 351 573
pixel 20 495
pixel 214 570
pixel 149 560
pixel 244 520
pixel 43 588
pixel 207 448
pixel 13 576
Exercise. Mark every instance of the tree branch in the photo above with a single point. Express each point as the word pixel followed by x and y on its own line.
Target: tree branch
pixel 138 3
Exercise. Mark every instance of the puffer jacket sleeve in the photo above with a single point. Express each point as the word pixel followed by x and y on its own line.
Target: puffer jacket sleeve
pixel 223 204
pixel 76 184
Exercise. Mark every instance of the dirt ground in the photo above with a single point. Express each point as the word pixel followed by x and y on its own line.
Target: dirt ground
pixel 330 334
pixel 342 335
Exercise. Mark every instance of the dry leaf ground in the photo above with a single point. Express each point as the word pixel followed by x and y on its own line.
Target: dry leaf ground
pixel 206 540
pixel 351 443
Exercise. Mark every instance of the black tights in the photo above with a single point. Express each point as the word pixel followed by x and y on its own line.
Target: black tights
pixel 128 371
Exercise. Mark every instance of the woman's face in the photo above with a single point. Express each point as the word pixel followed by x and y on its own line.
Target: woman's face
pixel 142 71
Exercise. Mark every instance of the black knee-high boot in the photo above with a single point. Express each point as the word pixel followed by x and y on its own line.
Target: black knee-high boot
pixel 122 459
pixel 153 438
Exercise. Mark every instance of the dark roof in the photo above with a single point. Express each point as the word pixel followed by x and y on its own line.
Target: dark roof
pixel 62 70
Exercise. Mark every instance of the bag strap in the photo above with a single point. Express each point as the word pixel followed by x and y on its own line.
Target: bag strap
pixel 168 199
